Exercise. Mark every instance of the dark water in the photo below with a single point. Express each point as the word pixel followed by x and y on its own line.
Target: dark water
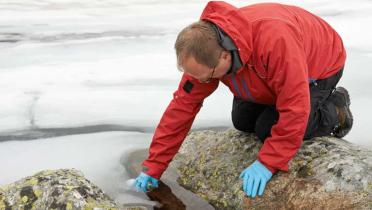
pixel 132 164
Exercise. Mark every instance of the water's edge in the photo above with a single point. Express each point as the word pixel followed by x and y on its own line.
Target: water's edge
pixel 131 161
pixel 132 164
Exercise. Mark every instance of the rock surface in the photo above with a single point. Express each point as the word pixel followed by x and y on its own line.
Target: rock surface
pixel 65 189
pixel 326 173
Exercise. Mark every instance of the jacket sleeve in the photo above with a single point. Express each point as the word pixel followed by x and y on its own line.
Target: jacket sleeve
pixel 287 76
pixel 176 123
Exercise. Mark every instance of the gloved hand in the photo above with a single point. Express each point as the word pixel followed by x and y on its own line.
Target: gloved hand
pixel 255 178
pixel 145 182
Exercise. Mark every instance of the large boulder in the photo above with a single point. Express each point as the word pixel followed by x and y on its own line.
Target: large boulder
pixel 65 189
pixel 326 173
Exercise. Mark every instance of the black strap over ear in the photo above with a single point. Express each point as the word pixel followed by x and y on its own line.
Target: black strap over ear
pixel 217 31
pixel 226 42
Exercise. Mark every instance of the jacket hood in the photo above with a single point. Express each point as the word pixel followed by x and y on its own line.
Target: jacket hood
pixel 225 41
pixel 232 22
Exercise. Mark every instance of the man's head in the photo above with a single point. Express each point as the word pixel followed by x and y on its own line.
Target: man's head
pixel 199 54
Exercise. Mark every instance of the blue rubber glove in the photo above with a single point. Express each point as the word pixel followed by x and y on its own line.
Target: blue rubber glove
pixel 255 178
pixel 145 182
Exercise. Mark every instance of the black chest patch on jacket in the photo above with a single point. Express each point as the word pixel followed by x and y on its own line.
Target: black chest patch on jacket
pixel 188 86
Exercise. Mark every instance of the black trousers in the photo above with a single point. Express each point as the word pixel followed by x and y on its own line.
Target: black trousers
pixel 258 118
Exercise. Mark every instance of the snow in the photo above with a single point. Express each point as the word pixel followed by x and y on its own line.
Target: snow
pixel 71 63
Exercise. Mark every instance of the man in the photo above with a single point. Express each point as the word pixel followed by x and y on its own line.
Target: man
pixel 282 64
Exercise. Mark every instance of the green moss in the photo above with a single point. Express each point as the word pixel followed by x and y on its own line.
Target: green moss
pixel 38 192
pixel 24 199
pixel 32 181
pixel 224 203
pixel 68 206
pixel 305 171
pixel 2 204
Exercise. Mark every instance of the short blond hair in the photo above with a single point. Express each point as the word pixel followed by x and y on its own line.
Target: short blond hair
pixel 200 41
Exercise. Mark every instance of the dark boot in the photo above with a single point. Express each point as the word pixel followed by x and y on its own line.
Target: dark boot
pixel 341 99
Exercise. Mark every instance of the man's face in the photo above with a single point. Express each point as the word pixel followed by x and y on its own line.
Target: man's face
pixel 204 73
pixel 199 71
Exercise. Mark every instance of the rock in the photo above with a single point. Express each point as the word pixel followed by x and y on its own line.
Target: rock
pixel 326 173
pixel 57 189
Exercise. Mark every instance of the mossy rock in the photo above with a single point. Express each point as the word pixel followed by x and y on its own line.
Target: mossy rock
pixel 326 173
pixel 64 189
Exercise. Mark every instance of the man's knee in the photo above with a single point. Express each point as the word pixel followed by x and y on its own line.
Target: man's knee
pixel 244 114
pixel 241 123
pixel 265 122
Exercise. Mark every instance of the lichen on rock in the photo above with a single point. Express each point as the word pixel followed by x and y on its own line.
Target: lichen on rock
pixel 65 189
pixel 326 173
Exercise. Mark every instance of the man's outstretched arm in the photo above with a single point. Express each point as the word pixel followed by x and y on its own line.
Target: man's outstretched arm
pixel 176 123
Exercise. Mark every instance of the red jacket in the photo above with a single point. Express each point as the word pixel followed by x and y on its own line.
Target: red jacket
pixel 281 47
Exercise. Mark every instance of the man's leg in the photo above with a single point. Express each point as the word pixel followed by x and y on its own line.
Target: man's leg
pixel 252 117
pixel 244 114
pixel 265 122
pixel 325 111
pixel 323 115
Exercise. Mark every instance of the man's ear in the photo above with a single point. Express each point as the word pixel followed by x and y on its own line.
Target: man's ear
pixel 226 55
pixel 226 58
pixel 225 61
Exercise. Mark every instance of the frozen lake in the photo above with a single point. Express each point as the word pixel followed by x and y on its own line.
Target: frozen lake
pixel 85 82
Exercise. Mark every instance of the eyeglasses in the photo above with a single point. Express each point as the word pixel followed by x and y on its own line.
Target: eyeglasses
pixel 210 77
pixel 214 68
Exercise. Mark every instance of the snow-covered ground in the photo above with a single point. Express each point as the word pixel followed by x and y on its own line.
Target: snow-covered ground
pixel 66 64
